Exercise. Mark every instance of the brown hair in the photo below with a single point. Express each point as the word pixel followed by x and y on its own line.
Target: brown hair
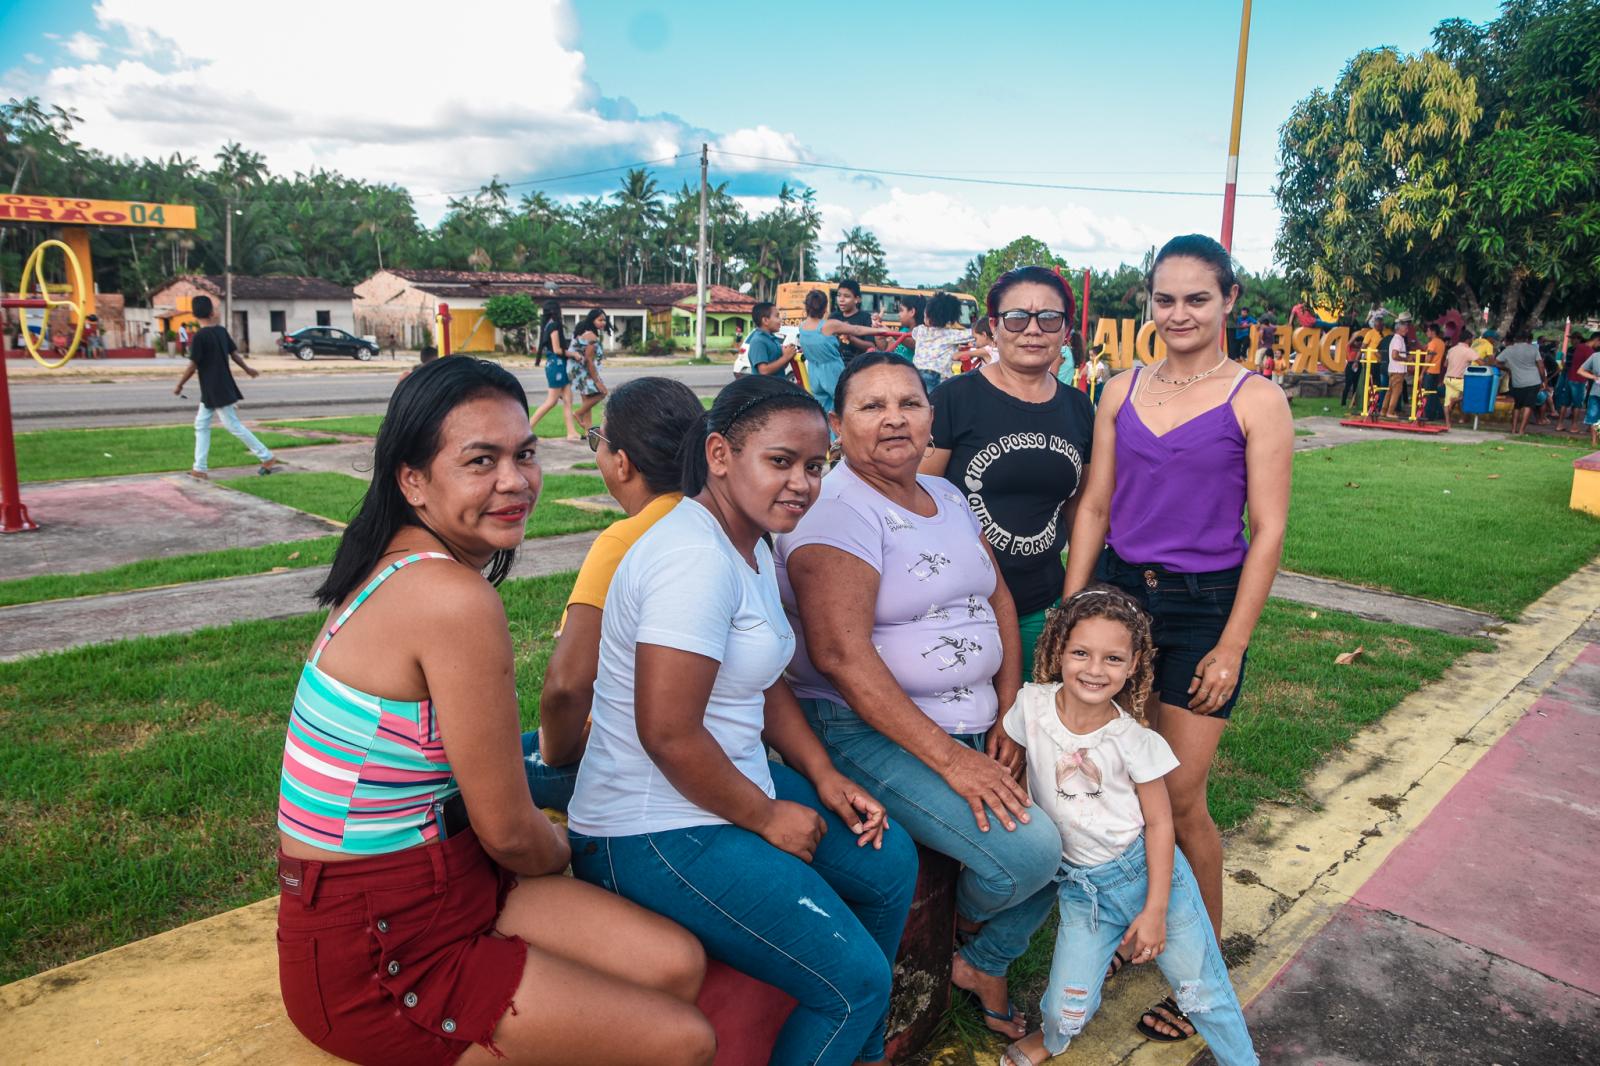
pixel 1100 601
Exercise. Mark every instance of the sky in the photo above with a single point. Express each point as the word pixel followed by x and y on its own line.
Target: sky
pixel 1104 97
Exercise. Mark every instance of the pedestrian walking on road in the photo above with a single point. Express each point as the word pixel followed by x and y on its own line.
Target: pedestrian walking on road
pixel 210 349
pixel 553 351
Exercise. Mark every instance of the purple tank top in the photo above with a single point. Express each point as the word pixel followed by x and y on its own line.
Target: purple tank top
pixel 1179 498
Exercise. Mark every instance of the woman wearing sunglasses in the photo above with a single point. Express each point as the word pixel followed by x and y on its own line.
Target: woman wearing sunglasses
pixel 1017 442
pixel 636 449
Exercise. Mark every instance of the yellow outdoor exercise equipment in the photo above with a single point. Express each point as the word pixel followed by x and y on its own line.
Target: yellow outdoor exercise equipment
pixel 33 272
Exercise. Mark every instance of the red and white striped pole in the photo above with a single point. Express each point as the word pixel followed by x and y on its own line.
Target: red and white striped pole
pixel 1232 188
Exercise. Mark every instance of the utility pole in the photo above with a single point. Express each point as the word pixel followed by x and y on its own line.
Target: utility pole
pixel 1232 188
pixel 700 274
pixel 227 266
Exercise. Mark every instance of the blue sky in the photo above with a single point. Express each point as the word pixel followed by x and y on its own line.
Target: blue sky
pixel 1105 95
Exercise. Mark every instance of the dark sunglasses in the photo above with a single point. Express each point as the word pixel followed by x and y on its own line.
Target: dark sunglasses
pixel 594 437
pixel 1017 321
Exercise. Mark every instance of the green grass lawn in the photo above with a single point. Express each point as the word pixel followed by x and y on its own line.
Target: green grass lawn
pixel 337 496
pixel 57 454
pixel 1485 526
pixel 1305 407
pixel 330 495
pixel 354 425
pixel 173 570
pixel 138 779
pixel 551 425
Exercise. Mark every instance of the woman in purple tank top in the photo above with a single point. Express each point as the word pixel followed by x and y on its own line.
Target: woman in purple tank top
pixel 1181 448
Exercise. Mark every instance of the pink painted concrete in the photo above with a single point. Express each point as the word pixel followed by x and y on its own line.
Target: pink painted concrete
pixel 1509 861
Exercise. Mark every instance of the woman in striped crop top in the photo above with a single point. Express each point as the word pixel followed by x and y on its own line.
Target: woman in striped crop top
pixel 422 913
pixel 1181 448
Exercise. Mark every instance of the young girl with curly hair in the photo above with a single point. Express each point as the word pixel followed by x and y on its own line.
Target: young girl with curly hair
pixel 1096 768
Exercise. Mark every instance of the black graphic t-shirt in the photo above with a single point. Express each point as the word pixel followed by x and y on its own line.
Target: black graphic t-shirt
pixel 1019 463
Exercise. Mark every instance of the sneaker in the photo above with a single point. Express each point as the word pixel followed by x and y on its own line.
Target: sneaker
pixel 268 467
pixel 198 475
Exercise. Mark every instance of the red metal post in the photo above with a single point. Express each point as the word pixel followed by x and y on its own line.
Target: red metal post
pixel 1230 190
pixel 444 329
pixel 13 515
pixel 1085 315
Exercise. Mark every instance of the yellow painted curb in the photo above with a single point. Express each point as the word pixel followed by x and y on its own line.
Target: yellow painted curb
pixel 207 991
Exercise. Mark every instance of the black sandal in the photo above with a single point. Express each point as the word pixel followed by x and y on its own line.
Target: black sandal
pixel 1168 1013
pixel 1114 967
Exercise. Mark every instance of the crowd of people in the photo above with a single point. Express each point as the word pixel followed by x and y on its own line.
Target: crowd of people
pixel 1547 379
pixel 776 676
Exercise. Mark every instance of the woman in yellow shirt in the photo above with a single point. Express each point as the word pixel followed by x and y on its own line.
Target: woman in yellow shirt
pixel 636 449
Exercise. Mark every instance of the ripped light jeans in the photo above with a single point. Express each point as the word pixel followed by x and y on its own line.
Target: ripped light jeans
pixel 1098 903
pixel 826 932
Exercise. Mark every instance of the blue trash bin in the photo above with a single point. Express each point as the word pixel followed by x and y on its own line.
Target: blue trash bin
pixel 1479 387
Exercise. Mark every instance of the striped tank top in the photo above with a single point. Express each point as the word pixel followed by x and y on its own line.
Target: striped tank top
pixel 361 773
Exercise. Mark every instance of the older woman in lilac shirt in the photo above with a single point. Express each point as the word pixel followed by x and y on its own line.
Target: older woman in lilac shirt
pixel 907 650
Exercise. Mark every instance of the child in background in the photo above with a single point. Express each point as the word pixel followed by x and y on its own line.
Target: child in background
pixel 1125 890
pixel 1097 376
pixel 1268 340
pixel 1589 373
pixel 983 350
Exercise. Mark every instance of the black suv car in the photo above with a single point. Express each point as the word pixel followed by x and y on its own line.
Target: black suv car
pixel 313 341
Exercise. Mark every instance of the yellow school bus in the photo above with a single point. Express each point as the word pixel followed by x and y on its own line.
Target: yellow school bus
pixel 883 299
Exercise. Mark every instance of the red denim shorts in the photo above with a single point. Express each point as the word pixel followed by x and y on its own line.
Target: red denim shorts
pixel 394 959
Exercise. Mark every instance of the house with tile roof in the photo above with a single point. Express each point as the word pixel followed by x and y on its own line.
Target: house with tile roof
pixel 264 306
pixel 403 302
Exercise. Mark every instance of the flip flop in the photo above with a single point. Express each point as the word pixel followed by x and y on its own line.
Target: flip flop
pixel 1174 1017
pixel 1009 1016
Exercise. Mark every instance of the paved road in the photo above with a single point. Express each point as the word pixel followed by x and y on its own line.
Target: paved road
pixel 69 405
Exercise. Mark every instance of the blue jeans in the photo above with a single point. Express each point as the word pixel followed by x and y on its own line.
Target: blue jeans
pixel 1098 903
pixel 826 932
pixel 551 785
pixel 230 422
pixel 1007 880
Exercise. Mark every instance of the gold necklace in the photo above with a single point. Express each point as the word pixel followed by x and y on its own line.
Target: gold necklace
pixel 1156 373
pixel 1146 398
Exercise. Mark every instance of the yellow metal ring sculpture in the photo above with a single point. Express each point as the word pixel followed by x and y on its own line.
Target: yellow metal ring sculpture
pixel 32 272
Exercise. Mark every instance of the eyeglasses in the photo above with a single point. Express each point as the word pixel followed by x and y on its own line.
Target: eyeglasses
pixel 594 437
pixel 1017 321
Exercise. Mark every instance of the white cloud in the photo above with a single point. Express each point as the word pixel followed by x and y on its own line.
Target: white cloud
pixel 81 46
pixel 735 150
pixel 437 120
pixel 32 57
pixel 929 236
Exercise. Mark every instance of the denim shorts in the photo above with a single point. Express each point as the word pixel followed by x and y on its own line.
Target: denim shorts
pixel 1188 613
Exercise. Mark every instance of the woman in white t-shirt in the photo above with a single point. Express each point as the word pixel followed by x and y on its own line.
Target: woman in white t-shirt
pixel 677 807
pixel 1126 893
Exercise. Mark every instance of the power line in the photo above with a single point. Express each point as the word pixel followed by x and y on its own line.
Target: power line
pixel 979 181
pixel 569 177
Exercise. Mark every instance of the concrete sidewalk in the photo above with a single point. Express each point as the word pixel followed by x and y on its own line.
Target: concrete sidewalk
pixel 1473 941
